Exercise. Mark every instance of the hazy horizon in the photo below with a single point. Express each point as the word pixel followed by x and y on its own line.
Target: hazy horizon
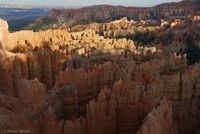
pixel 65 3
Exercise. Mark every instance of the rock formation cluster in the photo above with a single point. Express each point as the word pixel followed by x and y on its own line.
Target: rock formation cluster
pixel 64 82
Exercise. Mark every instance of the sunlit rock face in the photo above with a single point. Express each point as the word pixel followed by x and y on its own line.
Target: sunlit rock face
pixel 3 37
pixel 61 82
pixel 4 33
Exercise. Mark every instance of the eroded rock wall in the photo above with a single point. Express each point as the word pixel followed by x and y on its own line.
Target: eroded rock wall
pixel 82 83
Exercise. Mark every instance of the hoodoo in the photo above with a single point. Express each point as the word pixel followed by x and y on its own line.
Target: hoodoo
pixel 125 76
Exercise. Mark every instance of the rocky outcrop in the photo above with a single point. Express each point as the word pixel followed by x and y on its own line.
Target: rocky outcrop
pixel 3 40
pixel 159 120
pixel 3 34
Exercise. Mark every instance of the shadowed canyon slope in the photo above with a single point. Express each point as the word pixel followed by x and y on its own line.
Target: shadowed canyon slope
pixel 82 82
